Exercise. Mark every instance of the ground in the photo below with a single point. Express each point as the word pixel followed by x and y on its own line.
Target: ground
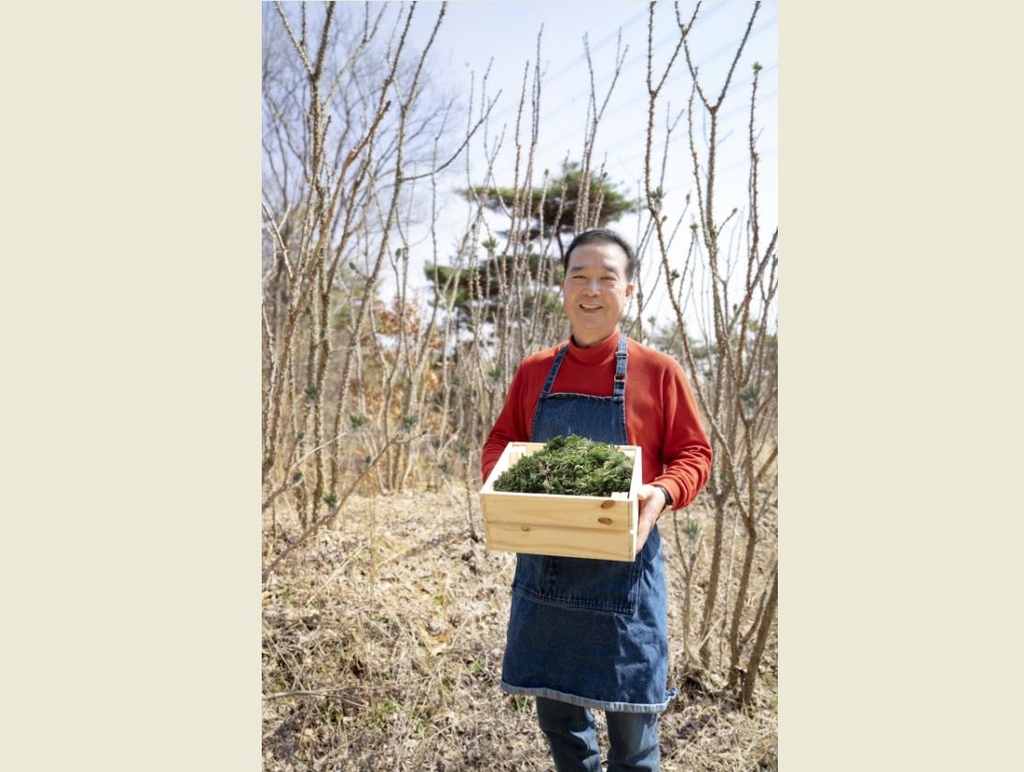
pixel 382 643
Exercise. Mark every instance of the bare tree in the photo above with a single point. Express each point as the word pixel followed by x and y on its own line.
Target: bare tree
pixel 733 354
pixel 347 127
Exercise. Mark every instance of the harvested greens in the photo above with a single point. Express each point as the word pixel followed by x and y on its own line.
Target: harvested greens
pixel 572 466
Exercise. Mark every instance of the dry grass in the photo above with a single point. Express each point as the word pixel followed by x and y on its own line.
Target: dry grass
pixel 382 646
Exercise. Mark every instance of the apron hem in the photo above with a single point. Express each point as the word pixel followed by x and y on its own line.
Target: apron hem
pixel 587 702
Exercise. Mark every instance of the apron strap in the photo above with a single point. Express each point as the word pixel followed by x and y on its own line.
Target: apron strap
pixel 553 372
pixel 619 390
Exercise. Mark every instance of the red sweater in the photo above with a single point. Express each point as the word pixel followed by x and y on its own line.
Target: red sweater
pixel 661 413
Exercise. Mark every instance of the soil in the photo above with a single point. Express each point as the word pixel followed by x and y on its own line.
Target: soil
pixel 383 636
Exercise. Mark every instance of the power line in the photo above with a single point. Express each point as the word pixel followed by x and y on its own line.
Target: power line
pixel 570 66
pixel 680 73
pixel 605 41
pixel 642 93
pixel 763 99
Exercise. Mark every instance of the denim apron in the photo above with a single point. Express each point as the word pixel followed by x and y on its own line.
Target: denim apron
pixel 589 632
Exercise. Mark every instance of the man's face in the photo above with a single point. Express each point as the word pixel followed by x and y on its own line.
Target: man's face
pixel 595 291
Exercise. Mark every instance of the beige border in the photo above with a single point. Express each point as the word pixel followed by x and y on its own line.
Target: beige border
pixel 131 399
pixel 897 122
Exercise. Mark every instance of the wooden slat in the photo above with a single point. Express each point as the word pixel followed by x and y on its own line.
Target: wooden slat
pixel 577 543
pixel 566 511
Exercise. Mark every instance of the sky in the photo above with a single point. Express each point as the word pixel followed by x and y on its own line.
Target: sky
pixel 474 33
pixel 503 35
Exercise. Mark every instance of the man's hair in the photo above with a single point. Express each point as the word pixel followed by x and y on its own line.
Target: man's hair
pixel 601 236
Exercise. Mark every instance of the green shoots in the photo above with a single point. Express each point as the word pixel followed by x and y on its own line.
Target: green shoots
pixel 571 466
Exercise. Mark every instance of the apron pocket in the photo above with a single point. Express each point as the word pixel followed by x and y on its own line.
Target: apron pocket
pixel 579 583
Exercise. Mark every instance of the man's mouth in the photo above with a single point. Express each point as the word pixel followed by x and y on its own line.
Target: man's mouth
pixel 586 307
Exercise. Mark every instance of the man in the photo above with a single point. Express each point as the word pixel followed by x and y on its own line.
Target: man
pixel 586 634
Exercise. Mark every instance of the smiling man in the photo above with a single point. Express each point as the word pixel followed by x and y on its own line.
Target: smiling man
pixel 586 634
pixel 595 290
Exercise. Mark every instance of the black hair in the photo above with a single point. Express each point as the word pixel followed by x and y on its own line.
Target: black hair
pixel 601 236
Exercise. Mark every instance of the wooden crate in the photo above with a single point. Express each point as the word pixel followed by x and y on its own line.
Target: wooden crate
pixel 571 526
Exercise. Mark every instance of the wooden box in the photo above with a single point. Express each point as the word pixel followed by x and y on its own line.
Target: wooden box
pixel 571 526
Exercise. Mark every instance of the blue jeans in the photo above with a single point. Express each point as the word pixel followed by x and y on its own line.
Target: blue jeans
pixel 570 730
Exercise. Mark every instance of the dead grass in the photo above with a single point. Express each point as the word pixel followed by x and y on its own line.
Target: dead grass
pixel 382 646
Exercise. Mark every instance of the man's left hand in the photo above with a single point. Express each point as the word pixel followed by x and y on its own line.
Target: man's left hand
pixel 652 502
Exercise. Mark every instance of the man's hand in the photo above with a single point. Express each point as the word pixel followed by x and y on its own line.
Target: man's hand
pixel 652 502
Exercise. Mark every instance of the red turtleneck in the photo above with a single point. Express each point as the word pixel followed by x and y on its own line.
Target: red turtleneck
pixel 661 413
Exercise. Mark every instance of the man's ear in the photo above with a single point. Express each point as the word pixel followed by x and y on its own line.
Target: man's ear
pixel 629 290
